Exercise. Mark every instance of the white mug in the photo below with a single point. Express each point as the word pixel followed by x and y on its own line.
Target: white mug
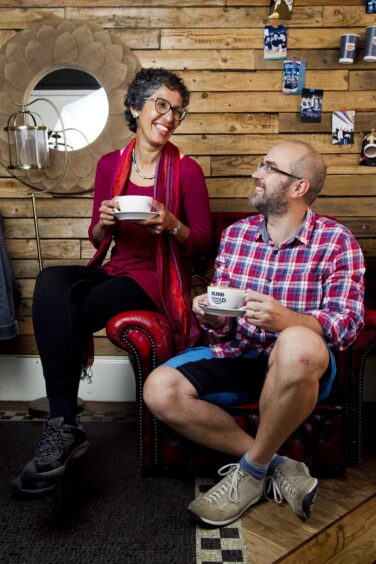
pixel 134 203
pixel 225 297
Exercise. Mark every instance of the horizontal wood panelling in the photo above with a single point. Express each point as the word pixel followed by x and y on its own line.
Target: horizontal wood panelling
pixel 250 39
pixel 236 115
pixel 192 59
pixel 26 248
pixel 362 80
pixel 49 228
pixel 262 80
pixel 244 165
pixel 230 123
pixel 256 144
pixel 29 268
pixel 191 17
pixel 278 102
pixel 335 16
pixel 316 59
pixel 336 207
pixel 113 3
pixel 47 207
pixel 334 186
pixel 291 122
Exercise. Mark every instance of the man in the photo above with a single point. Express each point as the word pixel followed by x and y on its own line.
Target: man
pixel 303 276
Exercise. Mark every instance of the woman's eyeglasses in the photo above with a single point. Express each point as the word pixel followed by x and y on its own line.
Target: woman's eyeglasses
pixel 267 169
pixel 163 106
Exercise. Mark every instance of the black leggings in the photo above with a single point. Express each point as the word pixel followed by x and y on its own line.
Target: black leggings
pixel 71 303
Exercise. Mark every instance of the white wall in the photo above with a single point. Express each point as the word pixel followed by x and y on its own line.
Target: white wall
pixel 21 379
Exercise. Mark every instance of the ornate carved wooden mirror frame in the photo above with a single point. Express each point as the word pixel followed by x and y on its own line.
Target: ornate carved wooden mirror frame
pixel 55 43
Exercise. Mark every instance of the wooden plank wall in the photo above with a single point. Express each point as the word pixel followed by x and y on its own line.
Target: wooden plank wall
pixel 237 113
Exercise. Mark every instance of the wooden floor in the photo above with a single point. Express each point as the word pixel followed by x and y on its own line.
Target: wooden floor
pixel 341 529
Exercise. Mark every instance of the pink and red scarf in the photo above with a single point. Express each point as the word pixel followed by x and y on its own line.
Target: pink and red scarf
pixel 173 287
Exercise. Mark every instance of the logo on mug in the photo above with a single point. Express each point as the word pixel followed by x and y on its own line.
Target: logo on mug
pixel 218 298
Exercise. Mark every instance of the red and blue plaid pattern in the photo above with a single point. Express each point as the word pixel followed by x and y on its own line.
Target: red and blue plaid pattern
pixel 319 271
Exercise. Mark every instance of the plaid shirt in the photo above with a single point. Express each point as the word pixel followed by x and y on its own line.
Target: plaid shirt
pixel 319 271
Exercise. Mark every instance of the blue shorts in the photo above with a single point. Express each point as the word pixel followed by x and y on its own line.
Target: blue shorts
pixel 214 378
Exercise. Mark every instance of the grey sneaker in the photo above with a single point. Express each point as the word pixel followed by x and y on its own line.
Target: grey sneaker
pixel 292 481
pixel 59 445
pixel 228 499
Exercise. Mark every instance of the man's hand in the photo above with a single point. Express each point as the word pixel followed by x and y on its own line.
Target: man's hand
pixel 267 313
pixel 198 307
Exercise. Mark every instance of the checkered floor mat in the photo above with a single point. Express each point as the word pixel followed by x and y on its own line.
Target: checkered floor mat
pixel 219 546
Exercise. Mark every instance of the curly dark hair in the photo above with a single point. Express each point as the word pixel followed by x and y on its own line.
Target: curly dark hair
pixel 144 84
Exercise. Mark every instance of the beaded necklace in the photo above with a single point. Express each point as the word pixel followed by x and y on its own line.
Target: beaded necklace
pixel 138 170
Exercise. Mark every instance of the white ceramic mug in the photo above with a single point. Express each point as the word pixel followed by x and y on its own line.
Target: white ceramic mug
pixel 134 203
pixel 226 298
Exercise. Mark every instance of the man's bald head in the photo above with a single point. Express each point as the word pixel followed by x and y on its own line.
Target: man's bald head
pixel 305 162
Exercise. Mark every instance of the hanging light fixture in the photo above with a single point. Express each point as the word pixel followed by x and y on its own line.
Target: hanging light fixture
pixel 27 141
pixel 29 150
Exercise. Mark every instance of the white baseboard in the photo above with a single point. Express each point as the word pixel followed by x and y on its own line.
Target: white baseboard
pixel 21 379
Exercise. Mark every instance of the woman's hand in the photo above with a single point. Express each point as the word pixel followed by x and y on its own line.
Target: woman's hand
pixel 107 220
pixel 106 213
pixel 162 222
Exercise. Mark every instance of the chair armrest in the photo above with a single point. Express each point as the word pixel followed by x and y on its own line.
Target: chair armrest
pixel 145 335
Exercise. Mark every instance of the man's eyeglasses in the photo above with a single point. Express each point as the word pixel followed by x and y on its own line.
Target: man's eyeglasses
pixel 267 169
pixel 163 106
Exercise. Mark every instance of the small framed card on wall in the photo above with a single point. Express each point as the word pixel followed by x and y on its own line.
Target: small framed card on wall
pixel 275 42
pixel 311 105
pixel 343 127
pixel 293 76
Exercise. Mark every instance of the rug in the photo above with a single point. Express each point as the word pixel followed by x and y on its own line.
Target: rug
pixel 104 512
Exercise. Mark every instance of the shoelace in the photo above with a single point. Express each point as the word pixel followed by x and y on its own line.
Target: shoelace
pixel 230 485
pixel 278 488
pixel 51 442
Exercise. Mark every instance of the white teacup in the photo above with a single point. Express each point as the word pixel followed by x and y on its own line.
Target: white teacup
pixel 134 203
pixel 226 298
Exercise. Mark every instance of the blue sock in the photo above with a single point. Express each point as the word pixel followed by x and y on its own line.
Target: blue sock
pixel 277 459
pixel 256 470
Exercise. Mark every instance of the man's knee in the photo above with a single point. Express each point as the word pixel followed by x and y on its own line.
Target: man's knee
pixel 163 390
pixel 302 350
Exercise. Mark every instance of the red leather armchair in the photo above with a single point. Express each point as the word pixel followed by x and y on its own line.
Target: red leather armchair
pixel 328 441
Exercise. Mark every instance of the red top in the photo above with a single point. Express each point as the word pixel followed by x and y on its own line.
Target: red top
pixel 134 252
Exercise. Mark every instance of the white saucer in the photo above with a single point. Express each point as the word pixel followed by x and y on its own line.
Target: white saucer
pixel 135 215
pixel 226 312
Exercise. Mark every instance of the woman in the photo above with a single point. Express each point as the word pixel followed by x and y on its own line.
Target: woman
pixel 149 267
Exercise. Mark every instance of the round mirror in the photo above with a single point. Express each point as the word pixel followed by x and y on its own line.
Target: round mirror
pixel 33 56
pixel 78 96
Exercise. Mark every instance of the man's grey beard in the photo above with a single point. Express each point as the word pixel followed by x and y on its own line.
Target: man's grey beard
pixel 271 205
